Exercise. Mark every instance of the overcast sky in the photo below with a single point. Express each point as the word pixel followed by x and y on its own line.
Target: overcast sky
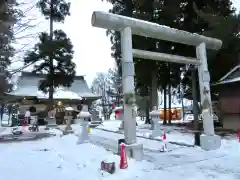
pixel 91 45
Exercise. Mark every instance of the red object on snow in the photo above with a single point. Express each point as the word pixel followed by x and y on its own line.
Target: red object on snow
pixel 123 158
pixel 108 167
pixel 164 145
pixel 164 136
pixel 117 113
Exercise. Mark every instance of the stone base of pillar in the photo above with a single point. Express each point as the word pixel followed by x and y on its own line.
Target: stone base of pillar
pixel 210 142
pixel 135 151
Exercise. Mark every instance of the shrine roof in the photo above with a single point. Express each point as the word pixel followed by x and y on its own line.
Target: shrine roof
pixel 231 77
pixel 28 86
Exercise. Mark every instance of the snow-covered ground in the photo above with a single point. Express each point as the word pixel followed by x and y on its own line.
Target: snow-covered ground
pixel 174 134
pixel 61 159
pixel 143 131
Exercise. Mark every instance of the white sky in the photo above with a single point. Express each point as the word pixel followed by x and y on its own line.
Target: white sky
pixel 236 4
pixel 91 45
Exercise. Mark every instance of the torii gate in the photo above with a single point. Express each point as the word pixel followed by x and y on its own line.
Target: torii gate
pixel 128 26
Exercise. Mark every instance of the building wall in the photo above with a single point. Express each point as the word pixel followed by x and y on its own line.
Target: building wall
pixel 39 107
pixel 231 121
pixel 24 108
pixel 229 98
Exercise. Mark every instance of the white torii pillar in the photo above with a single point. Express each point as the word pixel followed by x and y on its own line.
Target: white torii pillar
pixel 128 26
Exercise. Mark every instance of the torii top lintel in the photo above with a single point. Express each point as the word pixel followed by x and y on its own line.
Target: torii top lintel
pixel 144 28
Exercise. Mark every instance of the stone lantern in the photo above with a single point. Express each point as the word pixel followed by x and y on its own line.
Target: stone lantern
pixel 95 119
pixel 68 118
pixel 155 116
pixel 84 117
pixel 51 118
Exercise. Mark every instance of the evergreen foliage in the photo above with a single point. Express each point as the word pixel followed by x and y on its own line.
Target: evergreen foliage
pixel 54 53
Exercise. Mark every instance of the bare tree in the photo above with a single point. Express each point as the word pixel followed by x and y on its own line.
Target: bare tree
pixel 25 32
pixel 116 83
pixel 101 85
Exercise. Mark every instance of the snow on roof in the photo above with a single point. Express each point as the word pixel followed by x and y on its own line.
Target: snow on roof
pixel 59 94
pixel 69 109
pixel 29 91
pixel 28 86
pixel 88 95
pixel 224 79
pixel 230 72
pixel 229 81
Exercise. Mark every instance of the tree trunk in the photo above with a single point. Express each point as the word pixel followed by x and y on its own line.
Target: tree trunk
pixel 195 109
pixel 146 100
pixel 9 112
pixel 51 69
pixel 154 94
pixel 183 109
pixel 2 110
pixel 118 98
pixel 165 105
pixel 182 97
pixel 169 104
pixel 147 121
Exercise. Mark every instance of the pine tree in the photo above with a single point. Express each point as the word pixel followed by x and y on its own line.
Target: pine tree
pixel 54 52
pixel 193 14
pixel 60 48
pixel 196 21
pixel 8 17
pixel 227 29
pixel 141 9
